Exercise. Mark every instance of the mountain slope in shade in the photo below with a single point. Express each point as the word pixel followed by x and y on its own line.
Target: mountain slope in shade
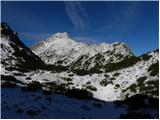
pixel 15 55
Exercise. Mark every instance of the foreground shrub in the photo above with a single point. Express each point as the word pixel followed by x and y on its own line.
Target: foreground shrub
pixel 139 101
pixel 32 86
pixel 82 72
pixel 19 110
pixel 141 81
pixel 62 88
pixel 154 69
pixel 132 88
pixel 31 112
pixel 145 57
pixel 104 83
pixel 127 62
pixel 91 88
pixel 47 92
pixel 79 93
pixel 117 85
pixel 136 102
pixel 136 115
pixel 98 105
pixel 48 88
pixel 88 83
pixel 85 107
pixel 28 78
pixel 8 85
pixel 10 78
pixel 56 68
pixel 116 74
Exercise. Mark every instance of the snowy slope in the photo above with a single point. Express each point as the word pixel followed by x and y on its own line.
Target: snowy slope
pixel 110 92
pixel 109 71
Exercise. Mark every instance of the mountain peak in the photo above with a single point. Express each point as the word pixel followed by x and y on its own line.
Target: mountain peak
pixel 61 35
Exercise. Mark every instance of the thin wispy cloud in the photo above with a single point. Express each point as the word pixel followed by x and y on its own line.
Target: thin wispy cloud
pixel 78 16
pixel 35 36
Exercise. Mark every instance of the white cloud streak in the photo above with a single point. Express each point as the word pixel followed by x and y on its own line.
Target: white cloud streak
pixel 78 16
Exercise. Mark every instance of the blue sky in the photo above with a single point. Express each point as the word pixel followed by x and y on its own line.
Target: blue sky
pixel 133 22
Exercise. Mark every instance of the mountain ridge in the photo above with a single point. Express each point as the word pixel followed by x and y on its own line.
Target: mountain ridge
pixel 70 50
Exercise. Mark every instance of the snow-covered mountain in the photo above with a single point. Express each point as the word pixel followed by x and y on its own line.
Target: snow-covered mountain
pixel 112 70
pixel 62 49
pixel 109 72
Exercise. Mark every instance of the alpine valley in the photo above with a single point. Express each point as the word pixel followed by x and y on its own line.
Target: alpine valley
pixel 61 78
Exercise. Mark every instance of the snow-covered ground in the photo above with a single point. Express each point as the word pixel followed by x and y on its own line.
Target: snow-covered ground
pixel 126 77
pixel 19 104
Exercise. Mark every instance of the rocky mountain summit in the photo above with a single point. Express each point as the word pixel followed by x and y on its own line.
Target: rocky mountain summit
pixel 62 49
